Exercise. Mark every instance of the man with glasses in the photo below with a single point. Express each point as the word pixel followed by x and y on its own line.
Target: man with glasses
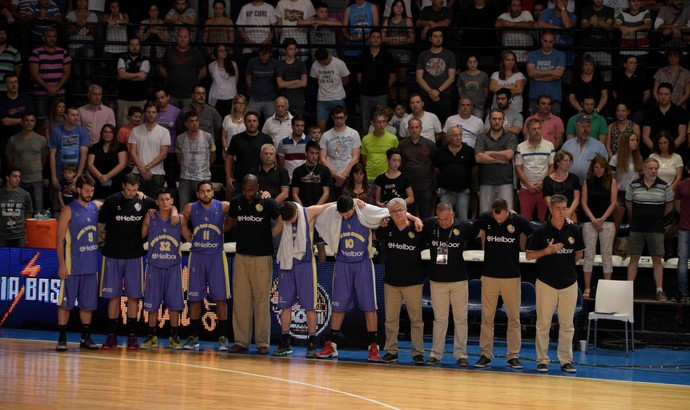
pixel 209 119
pixel 340 147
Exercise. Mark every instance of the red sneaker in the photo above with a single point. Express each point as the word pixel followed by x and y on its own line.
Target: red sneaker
pixel 330 350
pixel 132 343
pixel 110 343
pixel 373 353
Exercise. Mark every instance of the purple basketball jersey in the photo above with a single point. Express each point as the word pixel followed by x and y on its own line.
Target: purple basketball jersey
pixel 208 228
pixel 355 241
pixel 164 243
pixel 81 248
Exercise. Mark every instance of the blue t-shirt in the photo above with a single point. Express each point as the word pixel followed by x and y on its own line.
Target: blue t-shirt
pixel 67 145
pixel 545 62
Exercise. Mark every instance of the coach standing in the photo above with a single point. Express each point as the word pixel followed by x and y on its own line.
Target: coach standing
pixel 557 246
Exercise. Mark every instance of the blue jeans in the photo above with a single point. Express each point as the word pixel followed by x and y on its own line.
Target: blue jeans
pixel 187 191
pixel 422 203
pixel 683 252
pixel 35 189
pixel 459 200
pixel 367 104
pixel 324 108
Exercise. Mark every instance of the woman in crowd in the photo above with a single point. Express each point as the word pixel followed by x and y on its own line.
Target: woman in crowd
pixel 233 123
pixel 223 72
pixel 474 84
pixel 670 163
pixel 561 181
pixel 392 183
pixel 357 185
pixel 675 75
pixel 631 87
pixel 218 29
pixel 56 116
pixel 599 198
pixel 627 164
pixel 622 125
pixel 508 76
pixel 106 160
pixel 151 32
pixel 398 33
pixel 82 32
pixel 588 83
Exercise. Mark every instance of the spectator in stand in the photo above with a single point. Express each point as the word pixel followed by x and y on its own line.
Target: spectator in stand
pixel 132 74
pixel 357 185
pixel 233 123
pixel 436 75
pixel 512 120
pixel 552 128
pixel 558 19
pixel 617 128
pixel 10 59
pixel 470 125
pixel 627 166
pixel 375 147
pixel 115 35
pixel 400 115
pixel 209 119
pixel 13 105
pixel 279 125
pixel 375 76
pixel 390 4
pixel 474 83
pixel 196 152
pixel 631 88
pixel 152 32
pixel 454 164
pixel 27 151
pixel 392 183
pixel 418 154
pixel 219 29
pixel 676 75
pixel 148 148
pixel 255 22
pixel 598 128
pixel 666 116
pixel 224 73
pixel 288 15
pixel 478 20
pixel 598 19
pixel 50 67
pixel 562 182
pixel 634 24
pixel 432 16
pixel 340 149
pixel 533 162
pixel 323 30
pixel 291 149
pixel 134 117
pixel 244 151
pixel 672 21
pixel 398 34
pixel 68 144
pixel 15 208
pixel 682 206
pixel 546 67
pixel 332 76
pixel 599 199
pixel 359 19
pixel 583 147
pixel 291 77
pixel 518 18
pixel 82 30
pixel 648 200
pixel 182 67
pixel 167 118
pixel 182 16
pixel 56 116
pixel 94 115
pixel 509 76
pixel 41 14
pixel 670 163
pixel 260 81
pixel 588 83
pixel 431 126
pixel 106 161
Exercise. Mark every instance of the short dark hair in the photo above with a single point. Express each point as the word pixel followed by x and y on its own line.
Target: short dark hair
pixel 254 113
pixel 345 204
pixel 133 110
pixel 666 85
pixel 190 114
pixel 339 109
pixel 85 179
pixel 289 42
pixel 499 205
pixel 265 49
pixel 311 144
pixel 10 75
pixel 202 183
pixel 163 191
pixel 320 5
pixel 130 179
pixel 321 54
pixel 288 210
pixel 297 117
pixel 505 91
pixel 393 151
pixel 151 104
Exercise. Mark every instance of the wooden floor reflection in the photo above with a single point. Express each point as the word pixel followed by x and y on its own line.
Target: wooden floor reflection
pixel 34 376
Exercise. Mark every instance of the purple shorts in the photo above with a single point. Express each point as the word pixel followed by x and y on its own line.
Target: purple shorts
pixel 116 271
pixel 81 288
pixel 163 284
pixel 351 279
pixel 208 271
pixel 298 282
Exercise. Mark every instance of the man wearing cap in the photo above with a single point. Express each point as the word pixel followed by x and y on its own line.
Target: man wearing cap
pixel 583 147
pixel 598 129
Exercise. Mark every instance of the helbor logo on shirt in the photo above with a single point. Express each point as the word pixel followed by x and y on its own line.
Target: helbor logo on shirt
pixel 298 326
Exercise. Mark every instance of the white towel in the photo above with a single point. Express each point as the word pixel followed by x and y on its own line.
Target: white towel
pixel 290 249
pixel 329 222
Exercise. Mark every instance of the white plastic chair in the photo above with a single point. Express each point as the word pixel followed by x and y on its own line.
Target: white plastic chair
pixel 614 301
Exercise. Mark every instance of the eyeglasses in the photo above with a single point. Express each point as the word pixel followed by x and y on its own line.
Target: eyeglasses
pixel 338 117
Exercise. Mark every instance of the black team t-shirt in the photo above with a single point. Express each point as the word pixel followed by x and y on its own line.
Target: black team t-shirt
pixel 502 244
pixel 557 270
pixel 403 258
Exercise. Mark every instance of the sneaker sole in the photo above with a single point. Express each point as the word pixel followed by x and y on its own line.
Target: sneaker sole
pixel 389 361
pixel 330 356
pixel 543 370
pixel 516 367
pixel 109 348
pixel 280 354
pixel 373 360
pixel 147 347
pixel 190 348
pixel 481 366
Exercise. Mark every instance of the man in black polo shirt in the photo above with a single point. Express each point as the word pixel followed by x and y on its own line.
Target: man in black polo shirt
pixel 272 178
pixel 454 164
pixel 403 280
pixel 244 151
pixel 123 215
pixel 418 154
pixel 253 268
pixel 648 200
pixel 557 246
pixel 448 280
pixel 501 232
pixel 665 116
pixel 375 75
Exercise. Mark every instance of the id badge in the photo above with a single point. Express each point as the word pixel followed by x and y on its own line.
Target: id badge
pixel 442 255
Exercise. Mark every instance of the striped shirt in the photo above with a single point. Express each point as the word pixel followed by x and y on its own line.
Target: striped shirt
pixel 535 161
pixel 295 153
pixel 648 204
pixel 10 60
pixel 51 65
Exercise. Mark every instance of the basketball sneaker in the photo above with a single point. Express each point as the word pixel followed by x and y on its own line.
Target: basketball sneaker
pixel 192 343
pixel 283 350
pixel 132 343
pixel 87 343
pixel 223 344
pixel 330 350
pixel 110 342
pixel 311 351
pixel 150 342
pixel 373 353
pixel 61 345
pixel 174 342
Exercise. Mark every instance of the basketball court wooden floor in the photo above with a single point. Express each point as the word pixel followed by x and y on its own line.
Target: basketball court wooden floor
pixel 35 376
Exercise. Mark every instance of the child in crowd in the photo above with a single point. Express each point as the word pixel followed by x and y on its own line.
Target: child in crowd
pixel 400 116
pixel 315 132
pixel 66 194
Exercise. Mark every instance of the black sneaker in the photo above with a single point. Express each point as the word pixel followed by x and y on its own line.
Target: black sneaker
pixel 514 363
pixel 568 368
pixel 61 345
pixel 389 358
pixel 88 344
pixel 462 362
pixel 283 350
pixel 418 359
pixel 433 361
pixel 483 362
pixel 542 367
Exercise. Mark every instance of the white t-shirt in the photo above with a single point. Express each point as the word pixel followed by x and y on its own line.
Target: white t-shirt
pixel 516 100
pixel 253 15
pixel 224 85
pixel 668 166
pixel 339 145
pixel 292 11
pixel 517 38
pixel 149 145
pixel 431 125
pixel 625 176
pixel 471 127
pixel 330 79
